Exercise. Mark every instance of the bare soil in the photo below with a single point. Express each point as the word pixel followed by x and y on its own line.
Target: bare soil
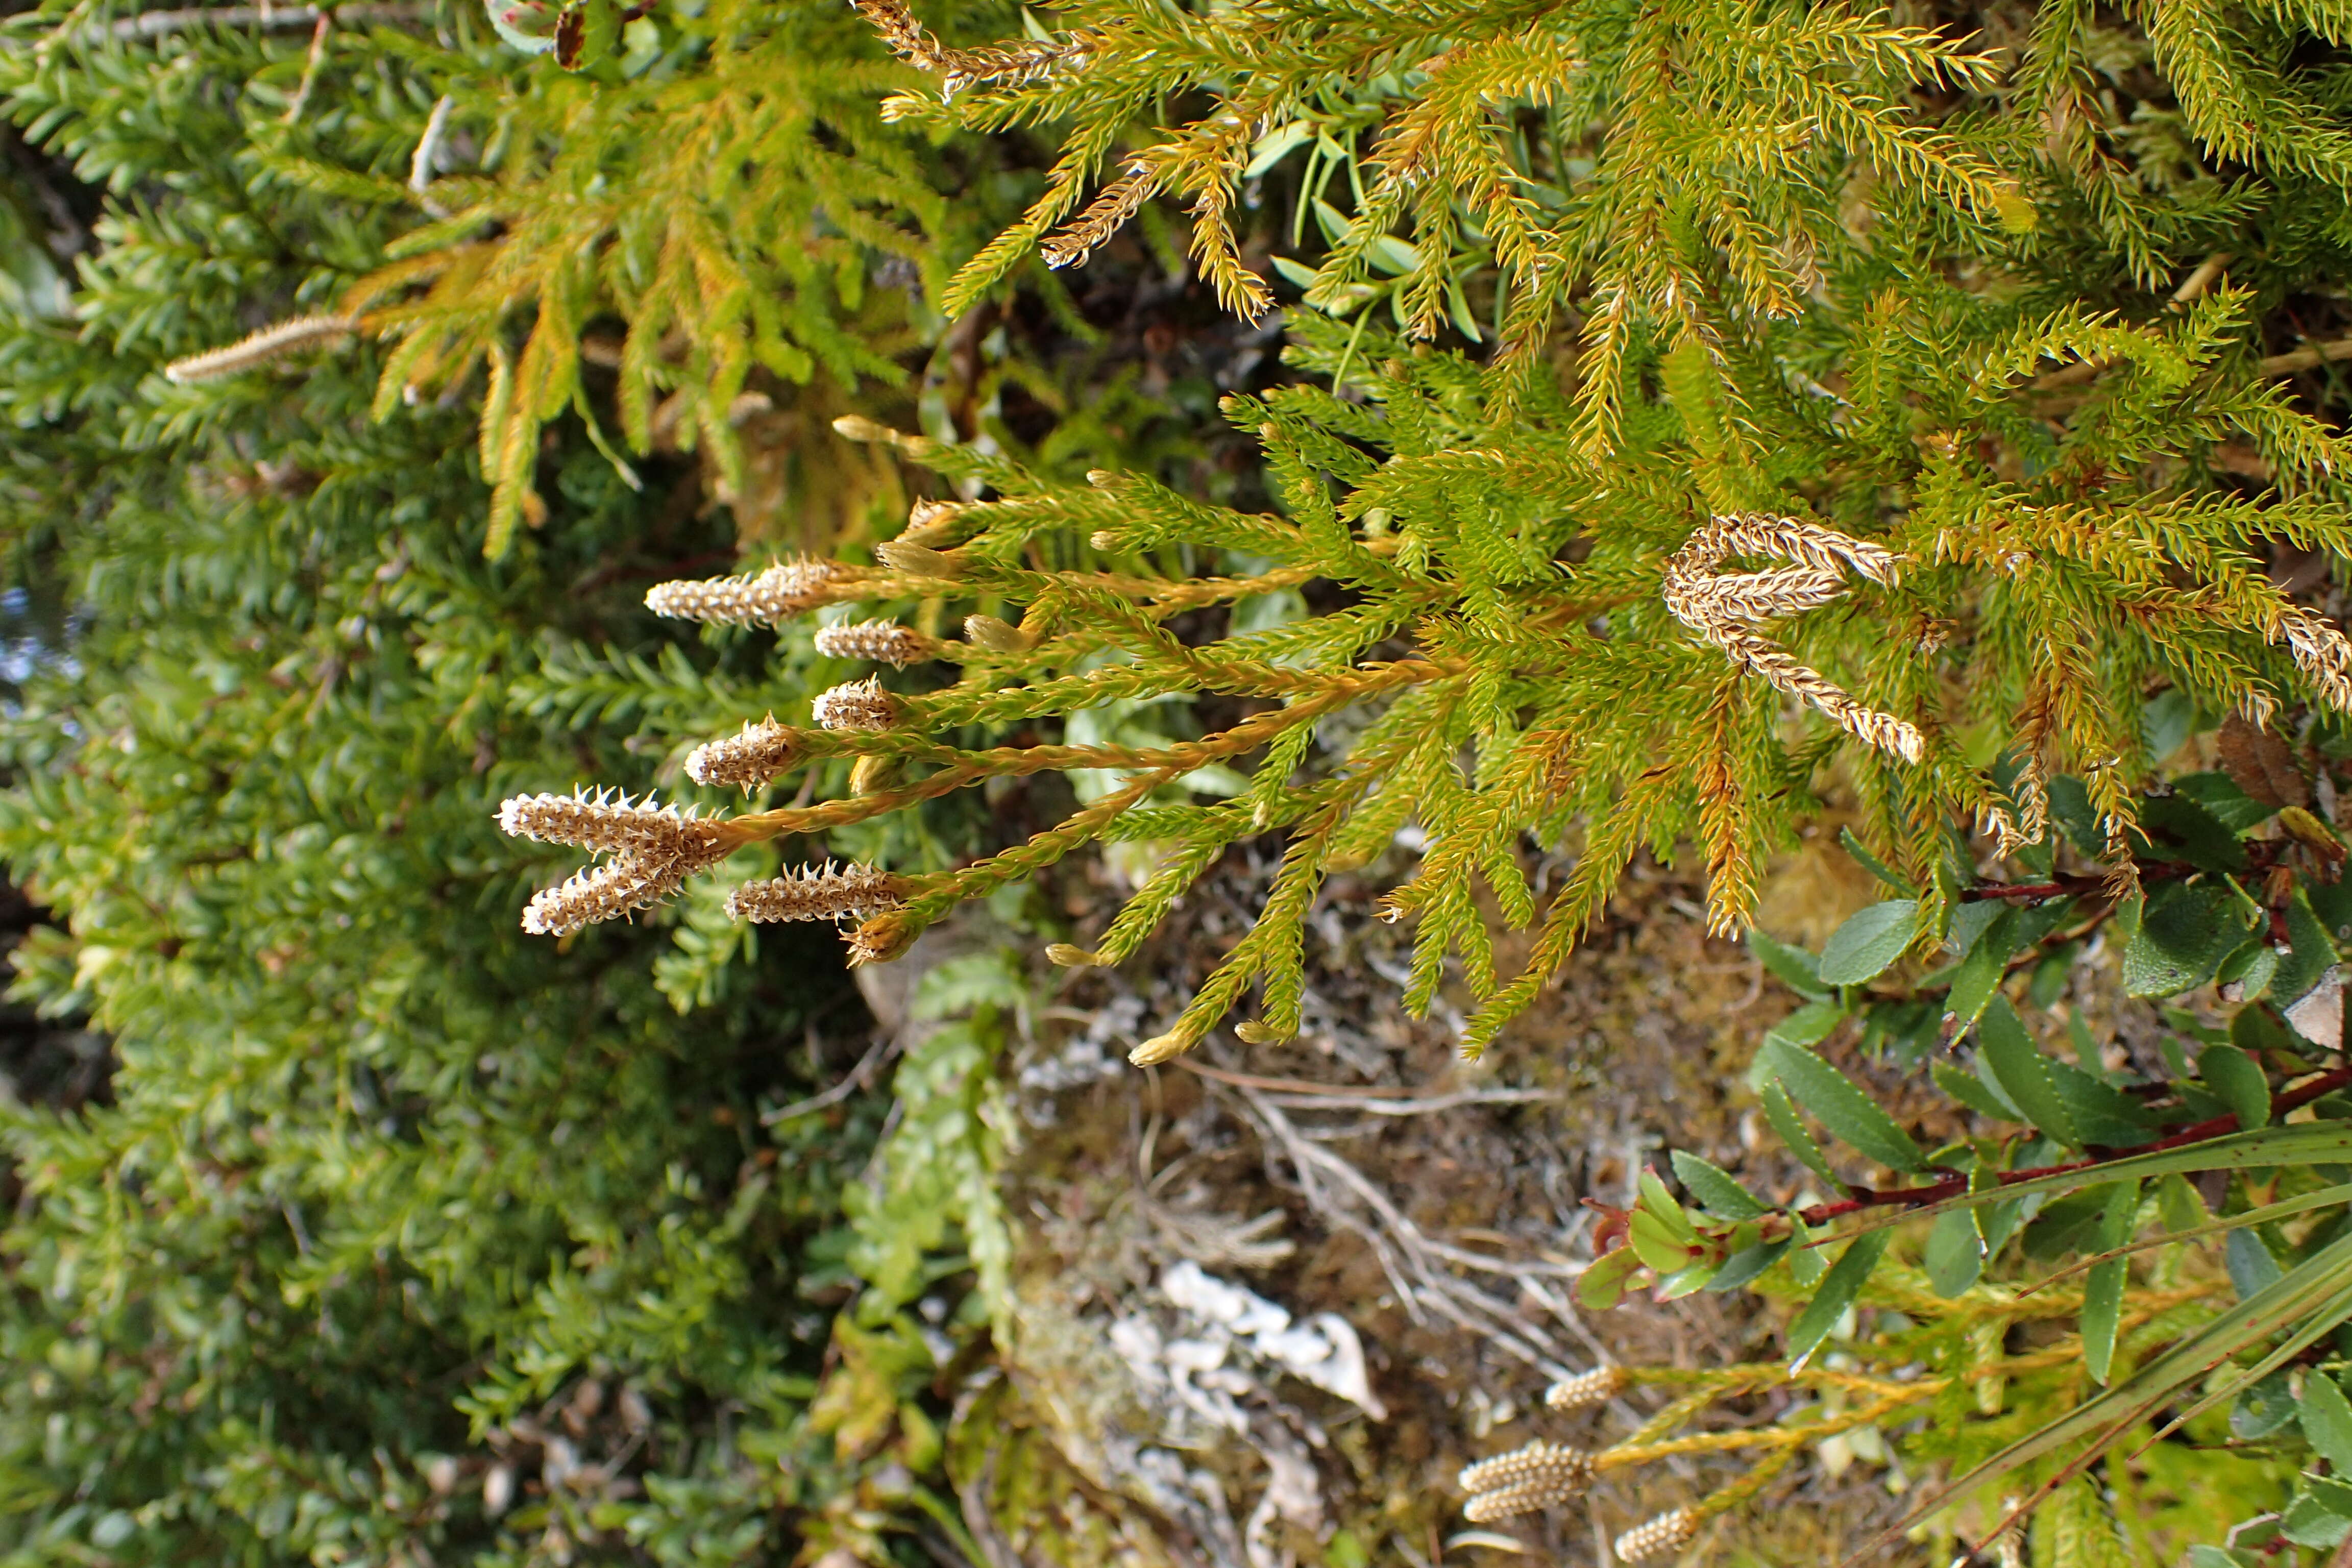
pixel 1446 1231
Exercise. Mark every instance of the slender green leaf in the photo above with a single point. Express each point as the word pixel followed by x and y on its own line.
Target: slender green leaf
pixel 1794 967
pixel 1836 1292
pixel 1869 940
pixel 2186 1222
pixel 1849 1114
pixel 2103 1293
pixel 2314 1296
pixel 2310 1142
pixel 2327 1420
pixel 1955 1254
pixel 2237 1082
pixel 2023 1072
pixel 1874 865
pixel 1716 1189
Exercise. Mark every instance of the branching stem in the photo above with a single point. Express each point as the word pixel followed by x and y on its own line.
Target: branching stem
pixel 1957 1186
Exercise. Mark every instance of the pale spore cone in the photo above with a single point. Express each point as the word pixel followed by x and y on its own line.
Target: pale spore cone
pixel 789 588
pixel 877 642
pixel 260 348
pixel 858 705
pixel 1541 1474
pixel 605 821
pixel 618 887
pixel 746 760
pixel 826 892
pixel 1727 608
pixel 654 850
pixel 2321 652
pixel 1670 1531
pixel 1598 1386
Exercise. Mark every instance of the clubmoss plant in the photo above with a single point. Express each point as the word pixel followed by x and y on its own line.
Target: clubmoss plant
pixel 1524 643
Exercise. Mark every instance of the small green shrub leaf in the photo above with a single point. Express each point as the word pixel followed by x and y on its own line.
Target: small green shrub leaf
pixel 1602 1286
pixel 2261 1409
pixel 1874 865
pixel 1716 1189
pixel 2023 1073
pixel 2175 828
pixel 1979 973
pixel 1745 1265
pixel 1794 967
pixel 2184 934
pixel 1955 1254
pixel 1785 1121
pixel 2104 1115
pixel 2252 1267
pixel 1850 1115
pixel 2311 952
pixel 2327 1420
pixel 1974 1092
pixel 1869 940
pixel 1808 1025
pixel 2236 1082
pixel 2316 1518
pixel 1836 1292
pixel 2103 1292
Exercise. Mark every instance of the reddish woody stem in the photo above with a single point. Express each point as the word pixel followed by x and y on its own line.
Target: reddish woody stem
pixel 1957 1186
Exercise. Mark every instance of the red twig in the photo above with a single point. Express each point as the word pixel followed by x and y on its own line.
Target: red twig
pixel 2034 892
pixel 1957 1186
